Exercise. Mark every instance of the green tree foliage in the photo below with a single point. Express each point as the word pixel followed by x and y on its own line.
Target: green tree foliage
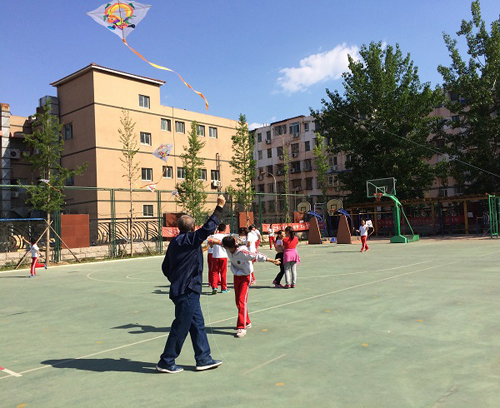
pixel 128 139
pixel 321 162
pixel 192 197
pixel 381 121
pixel 47 145
pixel 474 86
pixel 243 165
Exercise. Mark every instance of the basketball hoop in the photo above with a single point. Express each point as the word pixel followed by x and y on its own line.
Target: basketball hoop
pixel 378 196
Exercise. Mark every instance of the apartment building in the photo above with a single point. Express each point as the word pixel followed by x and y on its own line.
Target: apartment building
pixel 90 103
pixel 296 136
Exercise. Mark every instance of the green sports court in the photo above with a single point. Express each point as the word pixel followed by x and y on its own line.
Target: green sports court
pixel 403 325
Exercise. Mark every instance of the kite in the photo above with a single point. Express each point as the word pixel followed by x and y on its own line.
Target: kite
pixel 122 18
pixel 163 151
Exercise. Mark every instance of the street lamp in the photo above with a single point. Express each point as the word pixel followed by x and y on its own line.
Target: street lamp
pixel 275 190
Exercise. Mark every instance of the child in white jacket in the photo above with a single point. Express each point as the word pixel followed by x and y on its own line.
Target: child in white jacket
pixel 241 266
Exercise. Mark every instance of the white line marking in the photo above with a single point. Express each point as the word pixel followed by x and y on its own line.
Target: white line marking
pixel 12 373
pixel 264 364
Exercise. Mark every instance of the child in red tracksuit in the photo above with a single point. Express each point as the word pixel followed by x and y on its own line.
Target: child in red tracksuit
pixel 242 267
pixel 363 231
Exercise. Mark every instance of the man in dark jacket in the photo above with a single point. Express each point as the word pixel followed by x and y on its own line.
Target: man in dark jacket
pixel 183 266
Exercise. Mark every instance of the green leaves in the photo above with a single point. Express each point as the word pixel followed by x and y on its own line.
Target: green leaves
pixel 381 121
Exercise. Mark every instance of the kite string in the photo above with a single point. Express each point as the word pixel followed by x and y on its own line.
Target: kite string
pixel 166 69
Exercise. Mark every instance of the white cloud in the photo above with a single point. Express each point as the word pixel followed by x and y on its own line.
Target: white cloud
pixel 316 68
pixel 254 125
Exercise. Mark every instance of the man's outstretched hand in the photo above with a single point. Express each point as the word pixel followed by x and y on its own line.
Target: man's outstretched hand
pixel 221 200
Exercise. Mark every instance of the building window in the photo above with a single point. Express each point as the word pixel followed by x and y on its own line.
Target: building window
pixel 147 174
pixel 279 150
pixel 168 172
pixel 261 188
pixel 307 165
pixel 181 173
pixel 455 118
pixel 295 167
pixel 214 175
pixel 68 131
pixel 268 135
pixel 269 153
pixel 270 188
pixel 200 130
pixel 295 128
pixel 259 155
pixel 297 183
pixel 309 183
pixel 270 169
pixel 306 126
pixel 212 132
pixel 295 148
pixel 70 181
pixel 146 138
pixel 307 146
pixel 203 174
pixel 180 127
pixel 166 125
pixel 259 137
pixel 144 101
pixel 147 210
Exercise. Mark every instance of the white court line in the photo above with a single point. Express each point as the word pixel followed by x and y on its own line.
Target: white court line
pixel 232 318
pixel 10 372
pixel 264 364
pixel 369 271
pixel 90 263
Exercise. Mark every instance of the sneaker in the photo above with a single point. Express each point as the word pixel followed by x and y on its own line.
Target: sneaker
pixel 293 286
pixel 286 287
pixel 241 333
pixel 171 369
pixel 208 365
pixel 214 291
pixel 278 286
pixel 249 326
pixel 275 283
pixel 225 291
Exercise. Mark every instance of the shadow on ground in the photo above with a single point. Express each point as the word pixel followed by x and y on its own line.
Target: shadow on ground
pixel 141 329
pixel 103 365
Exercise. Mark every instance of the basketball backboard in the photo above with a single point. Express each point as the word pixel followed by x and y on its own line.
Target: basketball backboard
pixel 304 206
pixel 333 205
pixel 383 185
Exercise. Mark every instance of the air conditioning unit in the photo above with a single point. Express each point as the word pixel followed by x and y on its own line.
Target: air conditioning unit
pixel 268 141
pixel 295 154
pixel 216 183
pixel 296 135
pixel 280 157
pixel 15 154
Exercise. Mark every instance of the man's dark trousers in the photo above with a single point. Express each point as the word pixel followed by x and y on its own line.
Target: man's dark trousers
pixel 188 319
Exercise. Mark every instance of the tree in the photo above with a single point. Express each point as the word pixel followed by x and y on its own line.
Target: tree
pixel 243 165
pixel 192 196
pixel 129 150
pixel 47 144
pixel 381 121
pixel 321 162
pixel 474 89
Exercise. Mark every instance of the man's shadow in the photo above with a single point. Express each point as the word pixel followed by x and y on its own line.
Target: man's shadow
pixel 141 329
pixel 104 365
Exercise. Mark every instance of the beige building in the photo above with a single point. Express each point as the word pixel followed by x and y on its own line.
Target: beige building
pixel 90 104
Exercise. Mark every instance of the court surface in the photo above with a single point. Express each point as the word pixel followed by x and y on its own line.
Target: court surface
pixel 403 325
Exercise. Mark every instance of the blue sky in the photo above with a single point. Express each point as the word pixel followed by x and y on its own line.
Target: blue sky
pixel 267 59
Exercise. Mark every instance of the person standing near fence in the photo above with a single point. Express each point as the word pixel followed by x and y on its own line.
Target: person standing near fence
pixel 34 256
pixel 270 230
pixel 183 267
pixel 290 257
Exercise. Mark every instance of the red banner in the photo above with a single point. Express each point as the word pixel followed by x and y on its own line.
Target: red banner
pixel 297 226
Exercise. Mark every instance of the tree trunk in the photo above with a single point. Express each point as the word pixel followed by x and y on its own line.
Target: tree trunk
pixel 47 241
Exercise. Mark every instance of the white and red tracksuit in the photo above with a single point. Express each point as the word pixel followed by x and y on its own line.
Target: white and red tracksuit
pixel 242 268
pixel 363 231
pixel 219 264
pixel 34 258
pixel 271 237
pixel 209 264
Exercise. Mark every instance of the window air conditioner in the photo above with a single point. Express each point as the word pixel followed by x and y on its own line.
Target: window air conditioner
pixel 15 154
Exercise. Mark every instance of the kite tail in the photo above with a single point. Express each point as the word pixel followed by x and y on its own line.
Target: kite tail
pixel 166 69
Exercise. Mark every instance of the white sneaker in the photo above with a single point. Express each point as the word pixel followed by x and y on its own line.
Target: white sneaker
pixel 241 333
pixel 249 326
